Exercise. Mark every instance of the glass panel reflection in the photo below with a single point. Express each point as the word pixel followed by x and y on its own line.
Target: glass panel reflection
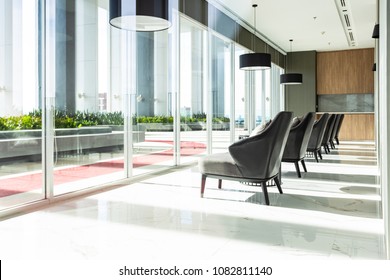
pixel 193 88
pixel 88 119
pixel 21 178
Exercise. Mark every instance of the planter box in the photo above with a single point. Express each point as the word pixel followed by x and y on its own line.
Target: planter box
pixel 156 126
pixel 184 126
pixel 28 143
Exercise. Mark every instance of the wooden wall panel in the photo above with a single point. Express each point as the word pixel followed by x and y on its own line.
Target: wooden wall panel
pixel 357 127
pixel 345 72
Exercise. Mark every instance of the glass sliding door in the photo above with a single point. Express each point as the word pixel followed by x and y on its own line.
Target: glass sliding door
pixel 221 91
pixel 88 118
pixel 153 118
pixel 241 95
pixel 277 91
pixel 193 88
pixel 262 96
pixel 21 176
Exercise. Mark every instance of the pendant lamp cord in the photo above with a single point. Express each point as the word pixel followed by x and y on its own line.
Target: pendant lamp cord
pixel 254 27
pixel 291 40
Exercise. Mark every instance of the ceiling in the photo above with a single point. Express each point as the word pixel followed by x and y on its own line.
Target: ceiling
pixel 312 24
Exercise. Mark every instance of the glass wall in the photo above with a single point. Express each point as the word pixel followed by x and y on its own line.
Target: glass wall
pixel 117 93
pixel 276 94
pixel 262 96
pixel 88 126
pixel 241 96
pixel 21 178
pixel 151 110
pixel 194 89
pixel 221 92
pixel 85 104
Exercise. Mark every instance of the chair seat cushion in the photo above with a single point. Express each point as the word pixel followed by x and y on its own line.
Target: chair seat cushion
pixel 219 164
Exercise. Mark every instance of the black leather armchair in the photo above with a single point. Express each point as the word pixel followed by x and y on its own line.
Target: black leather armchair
pixel 317 135
pixel 337 129
pixel 328 133
pixel 297 142
pixel 334 130
pixel 254 160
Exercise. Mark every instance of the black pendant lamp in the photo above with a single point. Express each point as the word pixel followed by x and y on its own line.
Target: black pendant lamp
pixel 375 32
pixel 255 61
pixel 140 15
pixel 291 78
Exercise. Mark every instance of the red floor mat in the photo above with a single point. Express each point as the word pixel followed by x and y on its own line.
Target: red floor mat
pixel 25 183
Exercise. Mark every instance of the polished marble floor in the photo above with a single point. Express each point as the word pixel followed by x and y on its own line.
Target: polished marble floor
pixel 332 212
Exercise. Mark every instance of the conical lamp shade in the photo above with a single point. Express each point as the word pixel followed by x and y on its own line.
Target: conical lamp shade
pixel 255 61
pixel 291 79
pixel 139 15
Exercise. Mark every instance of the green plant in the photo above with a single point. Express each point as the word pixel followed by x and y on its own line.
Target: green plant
pixel 65 119
pixel 65 122
pixel 62 119
pixel 153 119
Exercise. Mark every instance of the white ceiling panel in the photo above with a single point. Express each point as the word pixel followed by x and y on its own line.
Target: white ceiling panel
pixel 312 24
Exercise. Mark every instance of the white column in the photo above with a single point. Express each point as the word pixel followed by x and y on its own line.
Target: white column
pixel 86 56
pixel 160 73
pixel 232 91
pixel 17 57
pixel 15 90
pixel 118 44
pixel 196 71
pixel 6 63
pixel 384 115
pixel 29 97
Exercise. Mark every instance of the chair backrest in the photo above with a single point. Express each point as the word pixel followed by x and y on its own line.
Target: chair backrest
pixel 298 138
pixel 334 130
pixel 328 129
pixel 339 125
pixel 317 133
pixel 260 156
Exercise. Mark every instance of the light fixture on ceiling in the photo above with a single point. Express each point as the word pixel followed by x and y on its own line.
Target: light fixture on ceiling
pixel 291 78
pixel 255 61
pixel 375 32
pixel 140 15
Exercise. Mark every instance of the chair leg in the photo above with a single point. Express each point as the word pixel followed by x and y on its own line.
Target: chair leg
pixel 337 141
pixel 219 183
pixel 277 182
pixel 265 191
pixel 320 154
pixel 325 149
pixel 303 165
pixel 203 184
pixel 297 168
pixel 315 155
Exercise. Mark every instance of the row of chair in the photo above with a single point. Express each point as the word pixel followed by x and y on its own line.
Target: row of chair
pixel 257 159
pixel 309 136
pixel 325 133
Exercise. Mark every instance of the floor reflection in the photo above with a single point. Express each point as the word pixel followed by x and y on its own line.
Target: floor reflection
pixel 331 215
